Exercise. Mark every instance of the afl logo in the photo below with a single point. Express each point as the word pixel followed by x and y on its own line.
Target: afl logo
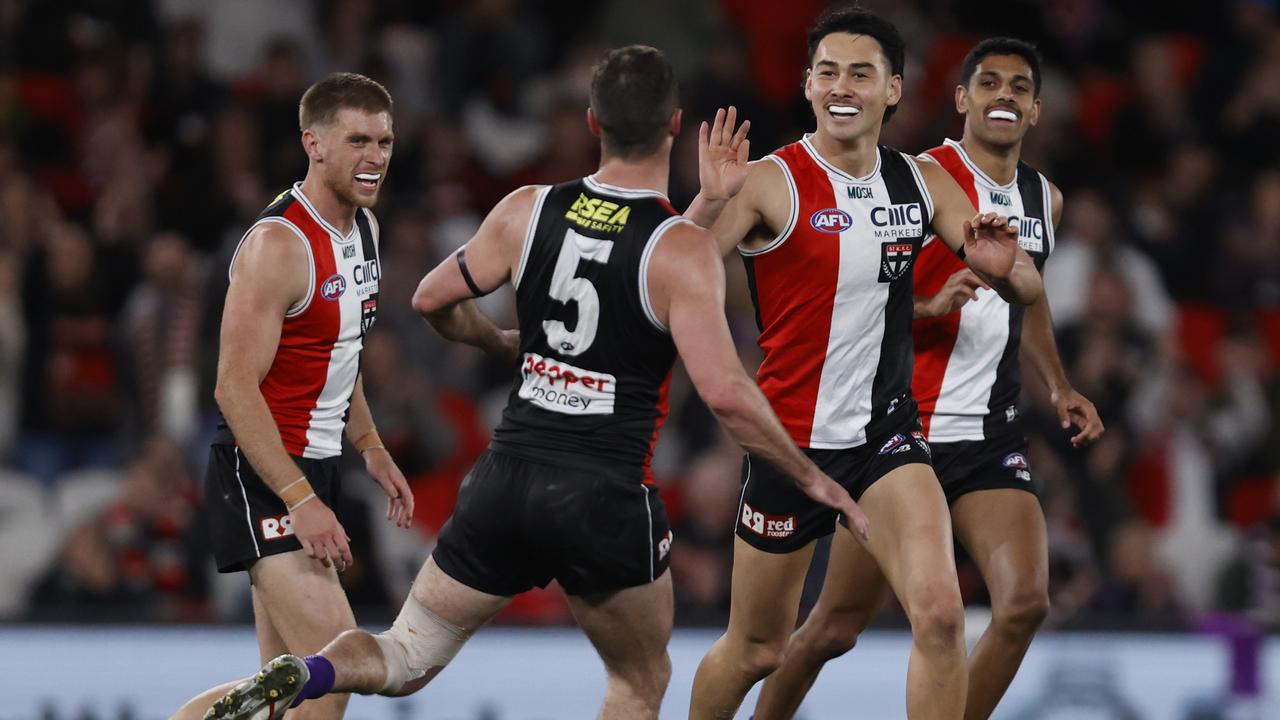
pixel 1017 461
pixel 831 220
pixel 333 287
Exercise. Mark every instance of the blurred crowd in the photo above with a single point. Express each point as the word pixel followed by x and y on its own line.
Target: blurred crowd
pixel 139 138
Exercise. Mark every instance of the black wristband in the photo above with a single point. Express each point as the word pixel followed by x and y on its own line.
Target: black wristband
pixel 466 274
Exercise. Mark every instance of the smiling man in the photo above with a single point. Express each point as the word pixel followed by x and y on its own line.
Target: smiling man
pixel 829 228
pixel 303 293
pixel 966 382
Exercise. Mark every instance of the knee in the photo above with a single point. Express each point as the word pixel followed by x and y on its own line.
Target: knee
pixel 1022 612
pixel 646 681
pixel 760 657
pixel 937 622
pixel 833 635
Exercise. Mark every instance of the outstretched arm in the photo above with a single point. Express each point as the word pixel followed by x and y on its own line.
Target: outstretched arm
pixel 686 283
pixel 986 241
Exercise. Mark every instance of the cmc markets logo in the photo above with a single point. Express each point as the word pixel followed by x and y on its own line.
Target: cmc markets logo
pixel 333 287
pixel 831 220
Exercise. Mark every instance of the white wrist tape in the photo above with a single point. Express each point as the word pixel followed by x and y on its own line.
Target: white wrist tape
pixel 418 641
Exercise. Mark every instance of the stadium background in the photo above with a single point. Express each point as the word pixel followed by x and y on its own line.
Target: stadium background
pixel 139 138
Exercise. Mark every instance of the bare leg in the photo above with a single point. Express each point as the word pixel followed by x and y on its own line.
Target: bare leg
pixel 307 607
pixel 852 594
pixel 197 706
pixel 911 540
pixel 357 658
pixel 630 629
pixel 762 613
pixel 298 606
pixel 1004 532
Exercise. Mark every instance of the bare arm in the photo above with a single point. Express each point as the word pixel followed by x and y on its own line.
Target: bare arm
pixel 492 255
pixel 762 208
pixel 990 244
pixel 377 460
pixel 1041 348
pixel 686 282
pixel 269 277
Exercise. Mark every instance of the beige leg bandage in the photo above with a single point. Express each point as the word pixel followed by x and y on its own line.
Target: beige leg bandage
pixel 418 641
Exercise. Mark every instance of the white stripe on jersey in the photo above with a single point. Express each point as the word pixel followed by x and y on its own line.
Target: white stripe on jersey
pixel 538 198
pixel 645 257
pixel 843 406
pixel 792 215
pixel 303 304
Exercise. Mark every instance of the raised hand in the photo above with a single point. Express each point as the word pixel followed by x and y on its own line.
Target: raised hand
pixel 722 155
pixel 991 245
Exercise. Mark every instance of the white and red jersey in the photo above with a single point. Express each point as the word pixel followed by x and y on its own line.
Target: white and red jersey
pixel 967 379
pixel 833 295
pixel 309 386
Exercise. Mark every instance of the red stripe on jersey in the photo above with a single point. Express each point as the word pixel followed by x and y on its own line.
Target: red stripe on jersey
pixel 935 338
pixel 667 204
pixel 795 295
pixel 664 407
pixel 300 369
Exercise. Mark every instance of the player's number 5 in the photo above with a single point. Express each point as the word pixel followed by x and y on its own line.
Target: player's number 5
pixel 566 287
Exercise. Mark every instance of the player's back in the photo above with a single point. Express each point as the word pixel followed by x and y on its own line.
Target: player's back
pixel 594 359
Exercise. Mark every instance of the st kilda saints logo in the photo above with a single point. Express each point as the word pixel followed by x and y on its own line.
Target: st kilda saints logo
pixel 368 313
pixel 895 260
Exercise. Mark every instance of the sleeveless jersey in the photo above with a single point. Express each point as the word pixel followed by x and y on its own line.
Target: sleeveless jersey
pixel 833 296
pixel 595 362
pixel 967 379
pixel 309 386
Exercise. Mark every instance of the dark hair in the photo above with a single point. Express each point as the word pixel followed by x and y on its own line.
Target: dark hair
pixel 341 90
pixel 633 93
pixel 1001 46
pixel 857 21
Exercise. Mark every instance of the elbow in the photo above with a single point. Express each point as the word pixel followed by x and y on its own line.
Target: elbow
pixel 222 393
pixel 422 302
pixel 725 398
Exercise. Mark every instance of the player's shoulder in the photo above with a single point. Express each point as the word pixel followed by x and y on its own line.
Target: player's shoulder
pixel 684 243
pixel 274 236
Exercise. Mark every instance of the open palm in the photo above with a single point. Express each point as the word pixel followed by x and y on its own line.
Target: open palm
pixel 722 155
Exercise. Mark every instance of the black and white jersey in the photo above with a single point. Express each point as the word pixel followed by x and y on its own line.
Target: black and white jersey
pixel 595 360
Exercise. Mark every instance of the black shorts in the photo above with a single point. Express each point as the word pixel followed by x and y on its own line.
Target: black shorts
pixel 776 517
pixel 994 463
pixel 520 523
pixel 246 519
